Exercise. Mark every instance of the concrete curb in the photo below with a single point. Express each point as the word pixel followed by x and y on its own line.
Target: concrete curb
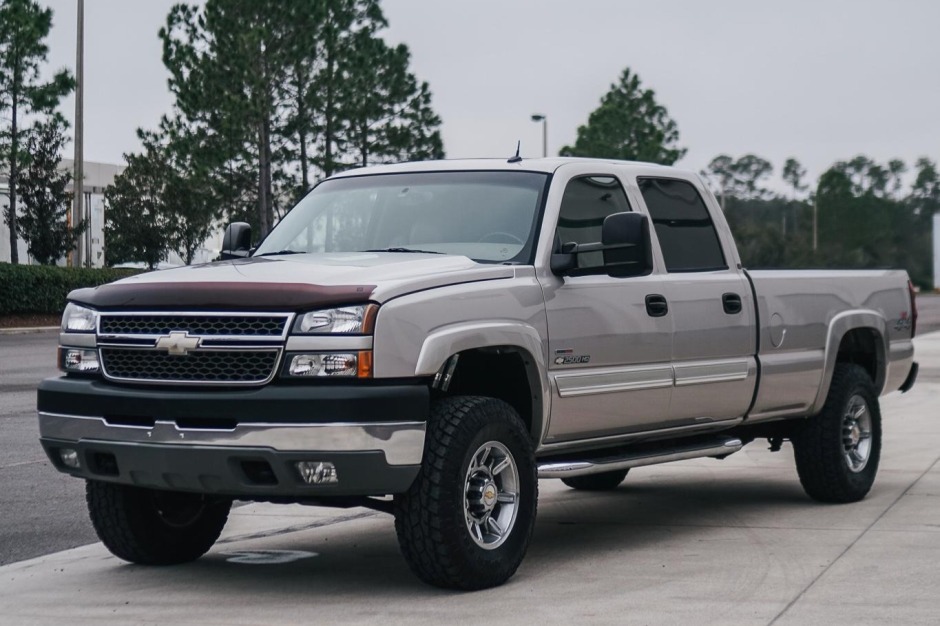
pixel 27 330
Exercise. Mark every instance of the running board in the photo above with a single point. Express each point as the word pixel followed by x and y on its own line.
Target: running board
pixel 565 469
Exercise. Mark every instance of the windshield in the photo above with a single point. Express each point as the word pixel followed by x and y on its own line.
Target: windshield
pixel 487 216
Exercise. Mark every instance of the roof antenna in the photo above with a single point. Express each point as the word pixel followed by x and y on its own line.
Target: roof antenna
pixel 516 158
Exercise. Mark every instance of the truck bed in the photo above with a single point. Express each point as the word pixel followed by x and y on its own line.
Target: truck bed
pixel 802 315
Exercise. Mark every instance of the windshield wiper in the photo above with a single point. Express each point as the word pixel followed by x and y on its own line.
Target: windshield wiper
pixel 280 252
pixel 404 250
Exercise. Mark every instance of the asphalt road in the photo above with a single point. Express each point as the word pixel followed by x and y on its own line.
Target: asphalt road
pixel 43 511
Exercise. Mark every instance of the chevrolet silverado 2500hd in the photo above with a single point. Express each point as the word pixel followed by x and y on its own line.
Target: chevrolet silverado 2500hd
pixel 447 333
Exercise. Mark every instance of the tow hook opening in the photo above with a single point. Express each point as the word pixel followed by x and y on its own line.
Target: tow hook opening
pixel 258 472
pixel 103 464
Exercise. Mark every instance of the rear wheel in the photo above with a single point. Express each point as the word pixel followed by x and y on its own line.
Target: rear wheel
pixel 605 481
pixel 153 527
pixel 465 522
pixel 837 451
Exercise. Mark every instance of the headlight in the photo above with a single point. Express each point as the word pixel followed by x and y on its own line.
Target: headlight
pixel 348 320
pixel 78 319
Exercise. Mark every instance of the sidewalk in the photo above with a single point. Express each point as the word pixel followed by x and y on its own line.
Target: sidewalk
pixel 28 330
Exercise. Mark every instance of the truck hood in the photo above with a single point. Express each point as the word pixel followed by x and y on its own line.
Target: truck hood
pixel 290 283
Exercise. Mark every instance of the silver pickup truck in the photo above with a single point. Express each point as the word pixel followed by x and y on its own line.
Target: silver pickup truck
pixel 430 339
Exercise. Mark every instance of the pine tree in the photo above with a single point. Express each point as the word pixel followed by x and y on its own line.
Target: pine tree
pixel 24 26
pixel 44 222
pixel 629 124
pixel 289 88
pixel 137 226
pixel 388 115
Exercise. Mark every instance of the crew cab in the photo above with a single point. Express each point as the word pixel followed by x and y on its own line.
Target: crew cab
pixel 430 339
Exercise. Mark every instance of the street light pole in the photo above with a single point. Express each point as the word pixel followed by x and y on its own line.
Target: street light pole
pixel 78 186
pixel 538 117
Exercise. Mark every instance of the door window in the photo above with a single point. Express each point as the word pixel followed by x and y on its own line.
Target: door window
pixel 683 225
pixel 585 204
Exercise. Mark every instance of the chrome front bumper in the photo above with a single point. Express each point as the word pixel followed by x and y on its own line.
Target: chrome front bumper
pixel 250 461
pixel 402 443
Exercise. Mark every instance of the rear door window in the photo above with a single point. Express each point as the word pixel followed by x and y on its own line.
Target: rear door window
pixel 683 225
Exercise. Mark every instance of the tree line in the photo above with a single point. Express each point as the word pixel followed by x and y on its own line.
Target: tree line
pixel 859 214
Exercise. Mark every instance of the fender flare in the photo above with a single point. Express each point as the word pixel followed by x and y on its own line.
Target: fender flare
pixel 447 341
pixel 839 326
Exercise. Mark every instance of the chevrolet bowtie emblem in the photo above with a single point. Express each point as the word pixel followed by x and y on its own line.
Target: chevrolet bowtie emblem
pixel 178 343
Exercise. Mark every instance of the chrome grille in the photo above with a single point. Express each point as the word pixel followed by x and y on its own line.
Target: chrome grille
pixel 203 366
pixel 209 325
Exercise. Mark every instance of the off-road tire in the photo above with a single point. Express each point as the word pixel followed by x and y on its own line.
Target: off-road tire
pixel 605 481
pixel 818 443
pixel 151 527
pixel 430 518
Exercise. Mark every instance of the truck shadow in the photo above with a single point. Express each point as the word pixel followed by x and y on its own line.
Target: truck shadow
pixel 573 528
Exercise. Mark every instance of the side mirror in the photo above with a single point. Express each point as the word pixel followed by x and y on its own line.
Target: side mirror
pixel 625 244
pixel 625 240
pixel 236 243
pixel 566 260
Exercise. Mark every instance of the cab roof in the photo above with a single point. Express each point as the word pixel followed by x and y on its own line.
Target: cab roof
pixel 547 165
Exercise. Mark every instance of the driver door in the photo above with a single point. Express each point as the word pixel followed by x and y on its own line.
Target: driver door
pixel 609 355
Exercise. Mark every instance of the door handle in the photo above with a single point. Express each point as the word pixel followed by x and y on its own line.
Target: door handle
pixel 731 303
pixel 656 305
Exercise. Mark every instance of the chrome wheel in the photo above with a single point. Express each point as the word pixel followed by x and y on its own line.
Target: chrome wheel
pixel 856 433
pixel 491 495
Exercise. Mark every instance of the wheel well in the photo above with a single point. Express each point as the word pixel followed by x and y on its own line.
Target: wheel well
pixel 860 346
pixel 505 372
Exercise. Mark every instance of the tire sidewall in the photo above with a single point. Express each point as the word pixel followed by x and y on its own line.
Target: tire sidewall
pixel 515 545
pixel 818 443
pixel 860 385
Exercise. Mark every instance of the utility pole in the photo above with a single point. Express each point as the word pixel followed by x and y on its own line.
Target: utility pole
pixel 815 220
pixel 83 248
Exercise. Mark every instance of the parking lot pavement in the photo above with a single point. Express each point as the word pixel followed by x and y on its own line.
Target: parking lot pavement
pixel 703 542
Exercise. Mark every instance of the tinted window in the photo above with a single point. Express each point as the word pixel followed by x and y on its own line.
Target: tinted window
pixel 587 201
pixel 685 230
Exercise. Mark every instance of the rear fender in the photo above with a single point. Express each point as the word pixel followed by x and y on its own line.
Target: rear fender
pixel 840 325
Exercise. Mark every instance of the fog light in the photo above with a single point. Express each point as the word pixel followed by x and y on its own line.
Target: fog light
pixel 329 364
pixel 80 360
pixel 317 472
pixel 69 458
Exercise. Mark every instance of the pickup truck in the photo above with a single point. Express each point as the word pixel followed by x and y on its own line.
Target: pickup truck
pixel 431 339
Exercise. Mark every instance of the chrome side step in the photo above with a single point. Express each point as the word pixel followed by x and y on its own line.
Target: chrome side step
pixel 565 469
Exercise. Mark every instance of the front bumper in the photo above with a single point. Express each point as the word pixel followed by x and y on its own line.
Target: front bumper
pixel 242 443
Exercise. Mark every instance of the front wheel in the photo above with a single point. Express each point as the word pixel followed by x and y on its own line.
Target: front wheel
pixel 465 522
pixel 153 527
pixel 837 451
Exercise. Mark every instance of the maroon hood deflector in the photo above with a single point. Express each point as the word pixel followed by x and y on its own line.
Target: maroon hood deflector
pixel 220 296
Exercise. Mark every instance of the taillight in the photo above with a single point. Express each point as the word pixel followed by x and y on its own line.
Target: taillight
pixel 910 289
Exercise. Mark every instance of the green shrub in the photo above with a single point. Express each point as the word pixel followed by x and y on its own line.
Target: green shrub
pixel 42 288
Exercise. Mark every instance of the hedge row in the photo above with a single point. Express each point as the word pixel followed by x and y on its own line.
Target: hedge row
pixel 42 289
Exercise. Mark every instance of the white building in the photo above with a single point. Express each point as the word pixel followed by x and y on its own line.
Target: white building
pixel 936 251
pixel 97 176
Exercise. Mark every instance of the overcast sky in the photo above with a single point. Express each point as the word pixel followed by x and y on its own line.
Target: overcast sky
pixel 816 80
